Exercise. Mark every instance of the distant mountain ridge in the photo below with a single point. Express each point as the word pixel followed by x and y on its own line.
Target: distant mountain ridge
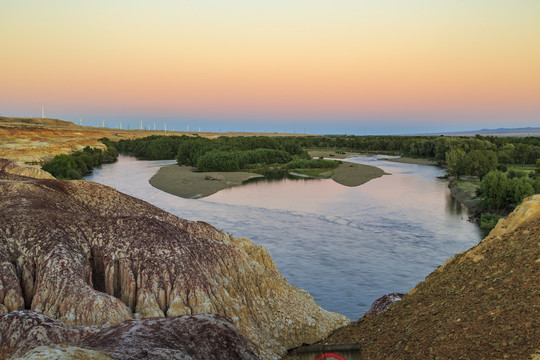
pixel 515 132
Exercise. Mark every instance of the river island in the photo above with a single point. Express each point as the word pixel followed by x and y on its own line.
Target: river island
pixel 188 182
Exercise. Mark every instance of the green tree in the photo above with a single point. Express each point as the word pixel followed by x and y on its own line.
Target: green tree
pixel 481 162
pixel 521 153
pixel 536 173
pixel 505 157
pixel 494 191
pixel 519 189
pixel 456 162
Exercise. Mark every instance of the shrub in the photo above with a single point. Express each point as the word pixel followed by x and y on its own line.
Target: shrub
pixel 516 174
pixel 63 167
pixel 488 221
pixel 80 163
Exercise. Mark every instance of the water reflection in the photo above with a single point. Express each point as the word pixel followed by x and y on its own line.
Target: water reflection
pixel 346 245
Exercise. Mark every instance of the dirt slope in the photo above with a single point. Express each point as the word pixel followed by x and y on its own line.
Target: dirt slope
pixel 482 304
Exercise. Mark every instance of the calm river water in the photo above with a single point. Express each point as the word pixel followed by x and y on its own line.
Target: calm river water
pixel 347 246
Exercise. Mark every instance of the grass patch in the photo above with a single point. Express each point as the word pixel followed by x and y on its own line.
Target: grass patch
pixel 315 172
pixel 469 186
pixel 522 168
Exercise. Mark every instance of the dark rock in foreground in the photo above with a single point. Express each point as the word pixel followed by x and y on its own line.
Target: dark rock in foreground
pixel 27 334
pixel 383 303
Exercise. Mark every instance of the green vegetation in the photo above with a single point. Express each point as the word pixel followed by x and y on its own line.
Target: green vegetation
pixel 504 166
pixel 488 221
pixel 234 160
pixel 260 154
pixel 155 147
pixel 314 167
pixel 82 162
pixel 500 193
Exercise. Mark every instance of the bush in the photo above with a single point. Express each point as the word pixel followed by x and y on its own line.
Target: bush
pixel 494 190
pixel 80 163
pixel 516 174
pixel 488 221
pixel 63 167
pixel 498 192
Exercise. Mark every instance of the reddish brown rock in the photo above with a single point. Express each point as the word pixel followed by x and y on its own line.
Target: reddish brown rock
pixel 27 334
pixel 383 303
pixel 85 254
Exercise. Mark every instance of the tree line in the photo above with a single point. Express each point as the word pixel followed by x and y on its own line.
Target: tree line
pixel 487 158
pixel 221 154
pixel 81 162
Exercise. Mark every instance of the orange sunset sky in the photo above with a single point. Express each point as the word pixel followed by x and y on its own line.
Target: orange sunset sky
pixel 319 66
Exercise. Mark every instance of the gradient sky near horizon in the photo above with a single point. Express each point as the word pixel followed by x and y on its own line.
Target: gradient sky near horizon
pixel 316 66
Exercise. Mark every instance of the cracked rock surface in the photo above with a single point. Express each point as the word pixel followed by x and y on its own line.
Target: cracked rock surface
pixel 86 254
pixel 31 335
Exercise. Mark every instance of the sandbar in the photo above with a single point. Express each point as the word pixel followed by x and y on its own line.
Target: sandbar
pixel 189 183
pixel 352 174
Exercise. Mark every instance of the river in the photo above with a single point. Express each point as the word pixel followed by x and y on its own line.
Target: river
pixel 347 246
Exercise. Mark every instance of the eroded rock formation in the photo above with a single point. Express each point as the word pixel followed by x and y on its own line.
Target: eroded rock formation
pixel 86 254
pixel 31 335
pixel 11 168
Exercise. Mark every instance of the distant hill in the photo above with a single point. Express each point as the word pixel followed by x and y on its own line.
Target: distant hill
pixel 515 132
pixel 7 121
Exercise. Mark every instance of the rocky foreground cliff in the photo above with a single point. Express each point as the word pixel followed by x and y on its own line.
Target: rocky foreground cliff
pixel 86 254
pixel 483 303
pixel 31 335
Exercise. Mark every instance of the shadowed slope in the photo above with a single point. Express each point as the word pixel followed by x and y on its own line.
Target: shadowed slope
pixel 481 304
pixel 30 335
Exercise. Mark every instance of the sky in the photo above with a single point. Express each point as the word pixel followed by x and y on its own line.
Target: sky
pixel 304 66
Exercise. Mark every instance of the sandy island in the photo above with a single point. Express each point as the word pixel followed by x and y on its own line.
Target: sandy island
pixel 187 182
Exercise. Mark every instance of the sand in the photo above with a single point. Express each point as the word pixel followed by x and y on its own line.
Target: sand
pixel 187 182
pixel 351 174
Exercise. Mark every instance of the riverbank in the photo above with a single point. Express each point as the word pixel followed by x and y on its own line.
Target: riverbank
pixel 465 192
pixel 187 182
pixel 331 154
pixel 409 160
